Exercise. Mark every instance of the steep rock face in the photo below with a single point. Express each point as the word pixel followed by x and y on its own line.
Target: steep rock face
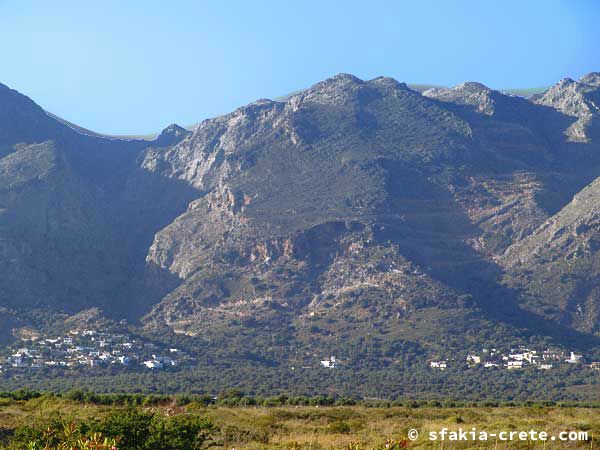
pixel 43 216
pixel 509 174
pixel 39 200
pixel 74 227
pixel 559 264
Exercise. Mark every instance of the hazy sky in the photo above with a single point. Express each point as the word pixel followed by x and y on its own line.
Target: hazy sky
pixel 129 66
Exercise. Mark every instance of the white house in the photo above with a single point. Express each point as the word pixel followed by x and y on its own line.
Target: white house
pixel 516 356
pixel 164 360
pixel 440 365
pixel 17 361
pixel 125 360
pixel 550 354
pixel 532 357
pixel 473 360
pixel 515 364
pixel 153 364
pixel 329 363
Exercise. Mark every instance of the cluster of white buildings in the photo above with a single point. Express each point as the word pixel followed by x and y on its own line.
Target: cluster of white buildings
pixel 519 358
pixel 89 348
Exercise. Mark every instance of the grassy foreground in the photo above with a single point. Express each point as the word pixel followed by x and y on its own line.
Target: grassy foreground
pixel 49 422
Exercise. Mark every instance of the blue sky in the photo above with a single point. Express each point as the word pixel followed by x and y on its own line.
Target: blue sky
pixel 136 66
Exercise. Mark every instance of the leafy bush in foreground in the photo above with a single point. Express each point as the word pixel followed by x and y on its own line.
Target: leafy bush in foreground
pixel 68 436
pixel 126 429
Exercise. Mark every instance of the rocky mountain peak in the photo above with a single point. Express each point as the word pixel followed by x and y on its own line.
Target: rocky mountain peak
pixel 342 78
pixel 347 91
pixel 471 87
pixel 579 99
pixel 592 79
pixel 469 93
pixel 388 82
pixel 575 98
pixel 172 135
pixel 336 89
pixel 567 81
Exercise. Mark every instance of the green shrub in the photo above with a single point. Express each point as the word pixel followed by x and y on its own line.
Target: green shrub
pixel 178 433
pixel 340 427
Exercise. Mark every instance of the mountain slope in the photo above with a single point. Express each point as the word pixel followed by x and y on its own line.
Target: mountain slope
pixel 70 229
pixel 350 209
pixel 356 191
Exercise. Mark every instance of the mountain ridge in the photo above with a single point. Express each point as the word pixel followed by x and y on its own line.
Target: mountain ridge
pixel 352 207
pixel 419 87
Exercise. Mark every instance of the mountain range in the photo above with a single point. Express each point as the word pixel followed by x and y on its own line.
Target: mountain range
pixel 352 208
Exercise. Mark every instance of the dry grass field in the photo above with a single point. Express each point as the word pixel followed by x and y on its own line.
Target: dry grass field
pixel 303 427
